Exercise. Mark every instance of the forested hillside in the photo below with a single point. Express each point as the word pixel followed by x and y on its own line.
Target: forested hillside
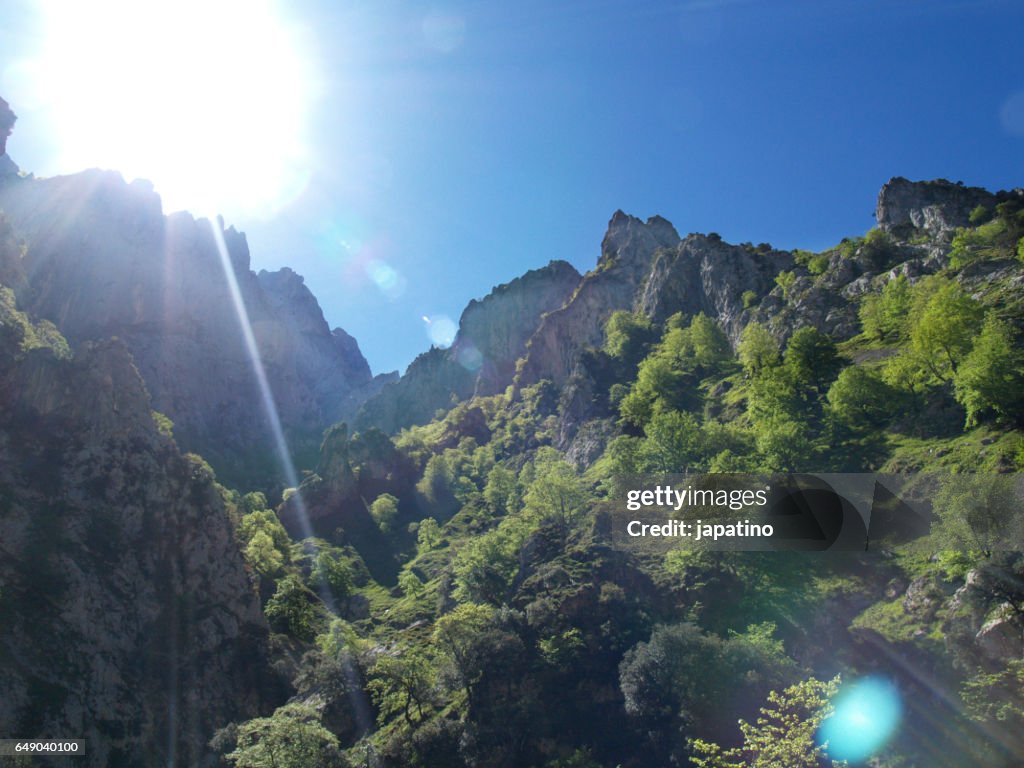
pixel 464 603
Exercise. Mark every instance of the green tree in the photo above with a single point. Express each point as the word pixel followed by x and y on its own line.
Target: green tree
pixel 784 734
pixel 758 350
pixel 861 399
pixel 710 344
pixel 456 635
pixel 500 490
pixel 333 573
pixel 291 610
pixel 428 535
pixel 400 681
pixel 883 315
pixel 991 377
pixel 557 493
pixel 674 442
pixel 944 330
pixel 410 584
pixel 786 281
pixel 384 511
pixel 436 483
pixel 627 335
pixel 291 738
pixel 979 512
pixel 261 554
pixel 812 359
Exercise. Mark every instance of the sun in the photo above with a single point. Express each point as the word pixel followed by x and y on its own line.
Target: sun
pixel 208 99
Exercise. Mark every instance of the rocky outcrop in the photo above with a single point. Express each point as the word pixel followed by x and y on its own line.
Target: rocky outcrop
pixel 103 261
pixel 126 614
pixel 706 274
pixel 935 207
pixel 492 336
pixel 627 252
pixel 7 120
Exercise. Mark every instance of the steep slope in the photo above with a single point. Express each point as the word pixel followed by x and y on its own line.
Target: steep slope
pixel 126 615
pixel 103 261
pixel 491 338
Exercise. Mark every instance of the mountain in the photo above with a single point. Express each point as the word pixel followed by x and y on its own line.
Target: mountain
pixel 519 629
pixel 456 583
pixel 101 260
pixel 127 616
pixel 492 336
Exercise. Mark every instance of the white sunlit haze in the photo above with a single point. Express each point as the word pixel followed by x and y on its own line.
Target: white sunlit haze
pixel 208 100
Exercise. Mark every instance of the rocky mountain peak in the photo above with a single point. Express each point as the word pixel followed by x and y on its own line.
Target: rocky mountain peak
pixel 938 207
pixel 102 260
pixel 629 238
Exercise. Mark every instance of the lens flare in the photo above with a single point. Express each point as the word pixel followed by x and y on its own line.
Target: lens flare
pixel 469 357
pixel 865 717
pixel 441 330
pixel 386 278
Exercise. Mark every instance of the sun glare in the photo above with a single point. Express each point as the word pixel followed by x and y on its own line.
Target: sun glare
pixel 206 98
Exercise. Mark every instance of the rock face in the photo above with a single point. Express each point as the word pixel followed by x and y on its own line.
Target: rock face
pixel 705 274
pixel 936 207
pixel 126 614
pixel 492 336
pixel 627 252
pixel 7 119
pixel 103 261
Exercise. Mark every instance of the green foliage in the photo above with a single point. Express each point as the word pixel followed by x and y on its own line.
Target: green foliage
pixel 943 332
pixel 291 610
pixel 993 235
pixel 861 399
pixel 163 424
pixel 979 215
pixel 786 280
pixel 683 673
pixel 673 444
pixel 667 378
pixel 261 554
pixel 562 648
pixel 410 584
pixel 749 299
pixel 384 510
pixel 501 490
pixel 428 534
pixel 757 349
pixel 22 336
pixel 291 738
pixel 812 359
pixel 627 335
pixel 784 734
pixel 995 697
pixel 400 681
pixel 883 315
pixel 264 541
pixel 333 573
pixel 978 513
pixel 990 380
pixel 557 493
pixel 816 263
pixel 437 480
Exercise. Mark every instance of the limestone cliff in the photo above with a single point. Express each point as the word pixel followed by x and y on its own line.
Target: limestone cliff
pixel 627 252
pixel 492 336
pixel 102 261
pixel 126 615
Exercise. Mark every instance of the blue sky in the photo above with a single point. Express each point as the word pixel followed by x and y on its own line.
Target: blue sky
pixel 454 146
